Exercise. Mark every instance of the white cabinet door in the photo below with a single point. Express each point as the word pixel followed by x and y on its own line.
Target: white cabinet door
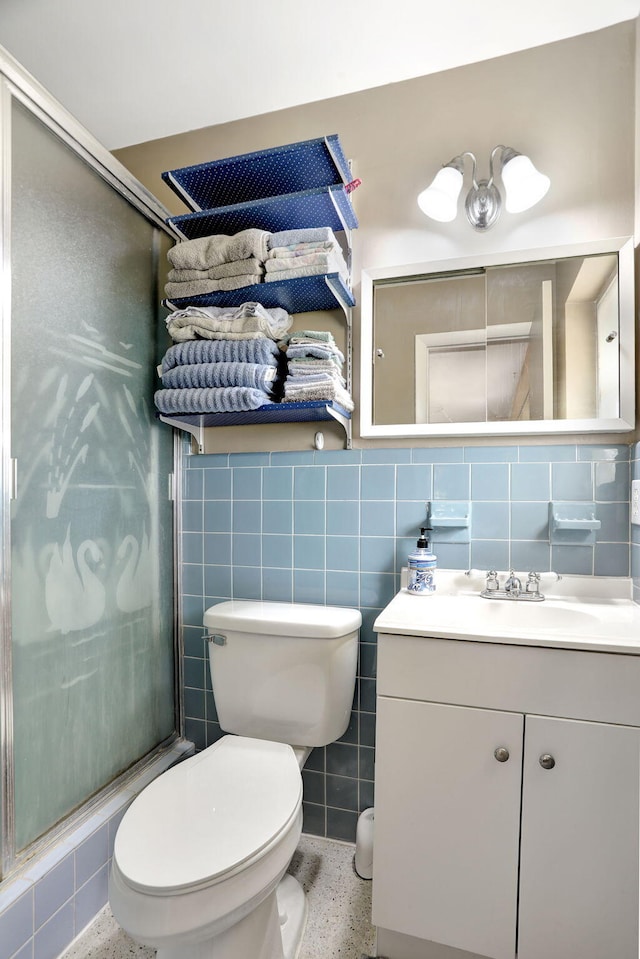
pixel 447 824
pixel 579 847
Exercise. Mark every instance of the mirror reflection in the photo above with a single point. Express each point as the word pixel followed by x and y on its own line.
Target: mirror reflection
pixel 521 342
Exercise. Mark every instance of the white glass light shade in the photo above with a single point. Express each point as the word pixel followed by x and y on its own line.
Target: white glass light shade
pixel 440 199
pixel 524 185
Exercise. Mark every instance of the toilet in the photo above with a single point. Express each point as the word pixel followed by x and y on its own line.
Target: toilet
pixel 199 868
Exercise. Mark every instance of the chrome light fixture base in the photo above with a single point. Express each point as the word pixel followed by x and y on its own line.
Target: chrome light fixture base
pixel 524 186
pixel 483 205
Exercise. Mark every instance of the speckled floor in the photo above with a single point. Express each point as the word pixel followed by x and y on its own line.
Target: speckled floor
pixel 338 927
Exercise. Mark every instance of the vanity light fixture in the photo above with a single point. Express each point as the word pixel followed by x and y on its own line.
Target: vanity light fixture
pixel 523 185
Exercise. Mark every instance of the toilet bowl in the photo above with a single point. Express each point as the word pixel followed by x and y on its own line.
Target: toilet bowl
pixel 200 853
pixel 200 857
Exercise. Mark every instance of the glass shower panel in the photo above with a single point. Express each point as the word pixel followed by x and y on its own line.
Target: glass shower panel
pixel 92 527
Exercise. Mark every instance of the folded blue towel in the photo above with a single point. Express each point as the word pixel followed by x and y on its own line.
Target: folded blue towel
pixel 198 375
pixel 228 399
pixel 320 351
pixel 261 350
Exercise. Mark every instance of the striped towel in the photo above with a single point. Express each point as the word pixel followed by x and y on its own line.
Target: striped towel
pixel 228 399
pixel 199 375
pixel 260 350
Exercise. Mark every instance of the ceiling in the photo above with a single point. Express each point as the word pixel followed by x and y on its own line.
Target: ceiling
pixel 136 70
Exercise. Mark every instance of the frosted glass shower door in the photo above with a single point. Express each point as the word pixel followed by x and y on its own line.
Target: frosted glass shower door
pixel 92 526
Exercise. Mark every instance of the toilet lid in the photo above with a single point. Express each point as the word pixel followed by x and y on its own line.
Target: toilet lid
pixel 208 815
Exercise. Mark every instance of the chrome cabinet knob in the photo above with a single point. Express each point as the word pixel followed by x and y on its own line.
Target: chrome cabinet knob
pixel 547 761
pixel 501 754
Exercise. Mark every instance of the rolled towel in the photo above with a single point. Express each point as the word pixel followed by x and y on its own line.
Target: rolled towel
pixel 213 322
pixel 203 252
pixel 176 291
pixel 262 351
pixel 235 268
pixel 314 234
pixel 228 399
pixel 198 375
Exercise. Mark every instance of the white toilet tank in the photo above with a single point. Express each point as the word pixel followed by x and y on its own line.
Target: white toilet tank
pixel 283 671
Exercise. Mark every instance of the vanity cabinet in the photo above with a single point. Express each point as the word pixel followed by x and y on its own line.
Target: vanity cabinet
pixel 507 802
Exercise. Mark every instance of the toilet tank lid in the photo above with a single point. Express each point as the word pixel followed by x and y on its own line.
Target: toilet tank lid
pixel 284 619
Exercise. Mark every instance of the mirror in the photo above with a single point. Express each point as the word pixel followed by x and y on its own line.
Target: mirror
pixel 534 341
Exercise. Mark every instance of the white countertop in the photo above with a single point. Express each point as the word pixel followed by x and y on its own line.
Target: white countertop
pixel 593 613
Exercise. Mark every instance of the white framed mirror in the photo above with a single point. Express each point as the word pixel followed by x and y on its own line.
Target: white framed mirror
pixel 533 341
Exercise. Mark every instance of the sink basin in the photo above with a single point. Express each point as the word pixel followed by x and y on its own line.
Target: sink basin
pixel 579 612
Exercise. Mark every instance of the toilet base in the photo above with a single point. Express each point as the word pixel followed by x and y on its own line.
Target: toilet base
pixel 273 930
pixel 292 911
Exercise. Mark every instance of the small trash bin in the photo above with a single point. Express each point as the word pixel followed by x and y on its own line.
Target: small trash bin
pixel 364 845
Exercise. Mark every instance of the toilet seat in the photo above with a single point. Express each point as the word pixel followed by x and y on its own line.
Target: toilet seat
pixel 209 817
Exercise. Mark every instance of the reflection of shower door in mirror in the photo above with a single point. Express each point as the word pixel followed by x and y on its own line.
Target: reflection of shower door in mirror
pixel 91 524
pixel 535 344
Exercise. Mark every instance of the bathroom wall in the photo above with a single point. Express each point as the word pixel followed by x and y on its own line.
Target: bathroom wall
pixel 569 105
pixel 335 527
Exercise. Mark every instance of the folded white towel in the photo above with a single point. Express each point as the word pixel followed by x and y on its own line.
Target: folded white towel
pixel 314 234
pixel 329 391
pixel 302 271
pixel 206 251
pixel 302 249
pixel 331 261
pixel 216 323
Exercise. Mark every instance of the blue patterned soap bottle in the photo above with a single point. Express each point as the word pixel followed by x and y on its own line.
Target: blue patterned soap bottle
pixel 422 564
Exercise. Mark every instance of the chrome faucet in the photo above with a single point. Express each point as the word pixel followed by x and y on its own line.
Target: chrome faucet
pixel 513 585
pixel 512 589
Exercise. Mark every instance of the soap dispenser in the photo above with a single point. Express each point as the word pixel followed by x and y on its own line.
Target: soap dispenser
pixel 422 564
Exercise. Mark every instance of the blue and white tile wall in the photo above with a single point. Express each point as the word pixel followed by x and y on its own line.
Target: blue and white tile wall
pixel 336 527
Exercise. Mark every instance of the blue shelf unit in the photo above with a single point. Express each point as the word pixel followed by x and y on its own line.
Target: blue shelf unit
pixel 315 411
pixel 300 295
pixel 329 206
pixel 296 167
pixel 296 186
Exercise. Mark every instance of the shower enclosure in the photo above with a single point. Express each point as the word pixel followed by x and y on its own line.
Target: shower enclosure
pixel 87 684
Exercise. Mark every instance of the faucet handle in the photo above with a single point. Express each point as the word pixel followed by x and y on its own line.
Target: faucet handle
pixel 492 580
pixel 533 583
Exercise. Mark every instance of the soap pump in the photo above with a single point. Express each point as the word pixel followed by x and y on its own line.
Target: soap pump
pixel 422 564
